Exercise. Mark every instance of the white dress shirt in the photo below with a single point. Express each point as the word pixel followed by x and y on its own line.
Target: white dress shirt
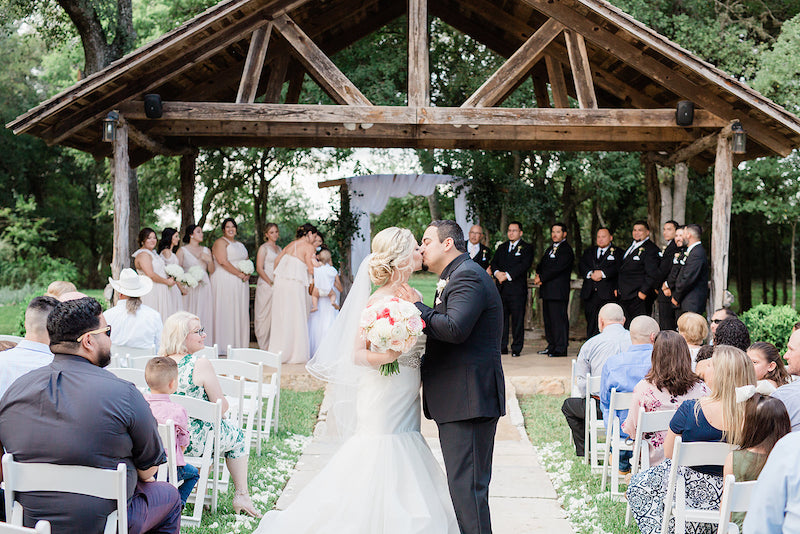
pixel 141 330
pixel 17 361
pixel 634 246
pixel 473 249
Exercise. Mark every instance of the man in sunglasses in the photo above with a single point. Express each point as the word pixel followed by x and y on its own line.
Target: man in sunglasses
pixel 73 412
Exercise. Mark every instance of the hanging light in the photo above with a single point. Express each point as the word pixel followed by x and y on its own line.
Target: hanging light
pixel 739 138
pixel 110 127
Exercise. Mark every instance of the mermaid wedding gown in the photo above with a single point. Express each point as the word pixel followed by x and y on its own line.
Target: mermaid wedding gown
pixel 382 480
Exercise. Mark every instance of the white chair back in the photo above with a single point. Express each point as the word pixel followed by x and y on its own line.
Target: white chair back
pixel 13 339
pixel 735 498
pixel 42 527
pixel 573 381
pixel 689 455
pixel 270 391
pixel 131 375
pixel 616 443
pixel 139 362
pixel 252 409
pixel 123 353
pixel 168 471
pixel 594 450
pixel 103 483
pixel 210 353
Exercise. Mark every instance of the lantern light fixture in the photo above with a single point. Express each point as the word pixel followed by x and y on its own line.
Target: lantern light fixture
pixel 110 127
pixel 739 141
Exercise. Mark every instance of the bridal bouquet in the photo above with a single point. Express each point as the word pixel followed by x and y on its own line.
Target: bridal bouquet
pixel 246 266
pixel 392 324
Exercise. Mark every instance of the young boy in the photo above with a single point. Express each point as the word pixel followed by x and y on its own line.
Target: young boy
pixel 161 374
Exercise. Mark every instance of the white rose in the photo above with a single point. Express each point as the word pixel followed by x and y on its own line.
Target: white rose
pixel 382 328
pixel 408 310
pixel 399 332
pixel 377 344
pixel 414 326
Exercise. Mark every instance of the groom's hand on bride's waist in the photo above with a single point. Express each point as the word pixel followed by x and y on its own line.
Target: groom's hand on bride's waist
pixel 406 292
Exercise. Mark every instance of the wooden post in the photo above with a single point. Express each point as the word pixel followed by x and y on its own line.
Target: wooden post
pixel 419 87
pixel 346 269
pixel 653 197
pixel 188 167
pixel 681 185
pixel 721 218
pixel 120 170
pixel 665 187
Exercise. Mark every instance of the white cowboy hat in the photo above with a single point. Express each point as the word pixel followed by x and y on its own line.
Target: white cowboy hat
pixel 131 284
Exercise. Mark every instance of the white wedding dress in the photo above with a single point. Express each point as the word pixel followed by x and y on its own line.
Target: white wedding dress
pixel 384 478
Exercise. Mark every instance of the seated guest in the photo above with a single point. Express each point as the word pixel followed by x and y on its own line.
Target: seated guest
pixel 33 351
pixel 98 420
pixel 765 422
pixel 183 336
pixel 720 315
pixel 717 417
pixel 789 393
pixel 6 344
pixel 703 367
pixel 624 370
pixel 775 501
pixel 669 382
pixel 770 371
pixel 161 375
pixel 694 329
pixel 733 332
pixel 59 287
pixel 133 324
pixel 612 339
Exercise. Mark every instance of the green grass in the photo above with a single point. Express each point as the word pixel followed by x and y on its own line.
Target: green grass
pixel 425 283
pixel 549 433
pixel 12 315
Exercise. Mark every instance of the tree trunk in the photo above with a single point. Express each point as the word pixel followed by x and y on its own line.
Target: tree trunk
pixel 345 269
pixel 782 269
pixel 433 206
pixel 681 181
pixel 792 264
pixel 653 197
pixel 721 221
pixel 743 262
pixel 134 220
pixel 188 169
pixel 121 177
pixel 763 258
pixel 776 257
pixel 665 188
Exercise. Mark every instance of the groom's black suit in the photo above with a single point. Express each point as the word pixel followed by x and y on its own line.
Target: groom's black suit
pixel 463 388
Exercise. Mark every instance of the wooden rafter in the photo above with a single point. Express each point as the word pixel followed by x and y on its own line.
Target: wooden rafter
pixel 321 68
pixel 581 71
pixel 501 83
pixel 419 85
pixel 539 79
pixel 277 75
pixel 254 65
pixel 558 84
pixel 156 147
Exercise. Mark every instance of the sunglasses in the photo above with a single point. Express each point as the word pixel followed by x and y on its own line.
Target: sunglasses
pixel 717 321
pixel 199 332
pixel 105 330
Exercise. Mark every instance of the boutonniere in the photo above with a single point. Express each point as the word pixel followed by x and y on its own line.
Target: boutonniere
pixel 641 249
pixel 440 285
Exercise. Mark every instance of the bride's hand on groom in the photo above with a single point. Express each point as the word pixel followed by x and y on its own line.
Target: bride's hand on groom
pixel 406 292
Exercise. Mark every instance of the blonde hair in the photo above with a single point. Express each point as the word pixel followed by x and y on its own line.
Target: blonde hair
pixel 173 337
pixel 732 369
pixel 392 255
pixel 59 287
pixel 160 371
pixel 693 327
pixel 324 256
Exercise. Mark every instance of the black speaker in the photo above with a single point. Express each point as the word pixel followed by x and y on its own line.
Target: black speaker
pixel 152 106
pixel 684 115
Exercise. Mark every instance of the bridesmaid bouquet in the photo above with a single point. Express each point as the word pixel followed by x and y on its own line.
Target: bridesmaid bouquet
pixel 393 324
pixel 246 266
pixel 174 271
pixel 197 273
pixel 188 279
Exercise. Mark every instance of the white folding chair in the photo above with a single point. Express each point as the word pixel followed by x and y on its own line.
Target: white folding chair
pixel 131 375
pixel 252 406
pixel 168 471
pixel 139 362
pixel 42 527
pixel 210 353
pixel 13 339
pixel 573 381
pixel 205 463
pixel 271 391
pixel 735 498
pixel 103 483
pixel 615 442
pixel 646 422
pixel 233 389
pixel 594 450
pixel 124 353
pixel 689 455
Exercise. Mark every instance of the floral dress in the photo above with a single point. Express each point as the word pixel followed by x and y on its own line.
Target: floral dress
pixel 232 441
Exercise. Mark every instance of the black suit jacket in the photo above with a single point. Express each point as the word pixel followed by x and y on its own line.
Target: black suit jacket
pixel 691 288
pixel 678 259
pixel 483 257
pixel 639 271
pixel 554 271
pixel 516 263
pixel 608 263
pixel 665 262
pixel 462 377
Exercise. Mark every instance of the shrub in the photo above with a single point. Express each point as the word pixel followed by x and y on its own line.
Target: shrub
pixel 772 324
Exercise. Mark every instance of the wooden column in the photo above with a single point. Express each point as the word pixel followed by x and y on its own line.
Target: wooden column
pixel 681 185
pixel 120 170
pixel 188 168
pixel 345 268
pixel 721 218
pixel 419 87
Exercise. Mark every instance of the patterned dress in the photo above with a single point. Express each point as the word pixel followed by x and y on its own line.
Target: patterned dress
pixel 232 440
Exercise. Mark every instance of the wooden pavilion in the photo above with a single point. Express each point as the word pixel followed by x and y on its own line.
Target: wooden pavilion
pixel 220 77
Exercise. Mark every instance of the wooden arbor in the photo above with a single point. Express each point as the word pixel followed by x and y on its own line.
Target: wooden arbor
pixel 221 76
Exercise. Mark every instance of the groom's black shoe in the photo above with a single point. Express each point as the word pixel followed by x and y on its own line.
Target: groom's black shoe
pixel 545 351
pixel 515 354
pixel 503 351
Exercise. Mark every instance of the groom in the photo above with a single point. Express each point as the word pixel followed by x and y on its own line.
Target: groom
pixel 463 388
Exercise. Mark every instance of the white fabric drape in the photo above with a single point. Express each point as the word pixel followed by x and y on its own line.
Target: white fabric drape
pixel 370 194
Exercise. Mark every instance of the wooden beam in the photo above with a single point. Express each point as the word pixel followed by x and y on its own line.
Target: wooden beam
pixel 688 152
pixel 121 168
pixel 581 71
pixel 296 74
pixel 321 68
pixel 145 141
pixel 558 84
pixel 332 183
pixel 540 90
pixel 721 217
pixel 277 75
pixel 254 65
pixel 499 85
pixel 419 78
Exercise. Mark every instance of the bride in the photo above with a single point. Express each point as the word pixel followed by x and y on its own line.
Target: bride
pixel 383 478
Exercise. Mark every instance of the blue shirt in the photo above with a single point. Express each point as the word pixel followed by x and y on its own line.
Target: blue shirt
pixel 695 428
pixel 789 395
pixel 775 501
pixel 623 371
pixel 597 349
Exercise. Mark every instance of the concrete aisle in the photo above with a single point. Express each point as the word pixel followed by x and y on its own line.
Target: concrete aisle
pixel 521 496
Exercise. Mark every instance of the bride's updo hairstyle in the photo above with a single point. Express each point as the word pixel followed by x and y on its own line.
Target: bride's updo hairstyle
pixel 392 255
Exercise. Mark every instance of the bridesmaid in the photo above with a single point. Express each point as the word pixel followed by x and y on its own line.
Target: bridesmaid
pixel 150 264
pixel 231 291
pixel 198 300
pixel 294 270
pixel 167 246
pixel 265 266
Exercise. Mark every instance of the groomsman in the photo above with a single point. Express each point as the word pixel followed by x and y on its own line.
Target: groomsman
pixel 678 259
pixel 691 288
pixel 478 252
pixel 666 312
pixel 638 274
pixel 510 265
pixel 599 267
pixel 553 273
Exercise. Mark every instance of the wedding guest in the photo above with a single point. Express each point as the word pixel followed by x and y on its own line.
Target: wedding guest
pixel 715 418
pixel 164 298
pixel 769 366
pixel 732 332
pixel 796 326
pixel 669 382
pixel 789 393
pixel 294 270
pixel 72 295
pixel 6 344
pixel 703 367
pixel 167 247
pixel 231 290
pixel 478 252
pixel 34 350
pixel 327 288
pixel 133 324
pixel 74 412
pixel 265 267
pixel 58 288
pixel 694 329
pixel 183 336
pixel 720 315
pixel 197 261
pixel 765 422
pixel 775 501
